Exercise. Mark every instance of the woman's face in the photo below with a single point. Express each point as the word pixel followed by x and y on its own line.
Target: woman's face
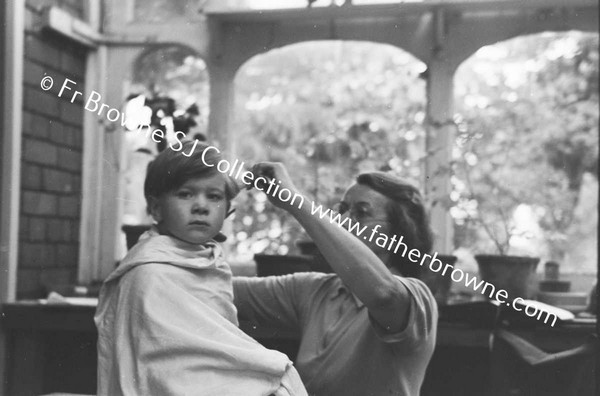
pixel 368 207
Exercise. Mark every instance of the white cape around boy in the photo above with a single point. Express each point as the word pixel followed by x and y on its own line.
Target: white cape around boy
pixel 167 326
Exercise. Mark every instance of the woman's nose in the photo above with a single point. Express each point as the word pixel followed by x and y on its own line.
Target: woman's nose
pixel 350 214
pixel 348 218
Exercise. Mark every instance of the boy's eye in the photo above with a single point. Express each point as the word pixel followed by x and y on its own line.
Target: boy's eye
pixel 184 194
pixel 215 197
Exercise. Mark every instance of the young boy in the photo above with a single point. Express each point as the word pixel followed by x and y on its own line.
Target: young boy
pixel 166 320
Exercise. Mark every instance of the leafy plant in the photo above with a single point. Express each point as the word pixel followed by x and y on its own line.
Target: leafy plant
pixel 527 135
pixel 328 111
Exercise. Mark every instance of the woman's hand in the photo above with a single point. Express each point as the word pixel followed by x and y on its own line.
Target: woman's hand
pixel 277 178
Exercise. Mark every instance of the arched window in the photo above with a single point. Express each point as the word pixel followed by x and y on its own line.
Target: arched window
pixel 526 180
pixel 328 110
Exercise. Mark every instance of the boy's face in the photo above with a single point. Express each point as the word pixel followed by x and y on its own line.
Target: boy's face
pixel 194 212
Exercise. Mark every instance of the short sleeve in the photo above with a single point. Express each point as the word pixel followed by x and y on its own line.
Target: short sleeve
pixel 280 301
pixel 422 318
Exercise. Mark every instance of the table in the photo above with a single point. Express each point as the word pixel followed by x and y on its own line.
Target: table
pixel 52 348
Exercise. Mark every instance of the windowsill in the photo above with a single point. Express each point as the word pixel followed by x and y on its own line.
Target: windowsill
pixel 458 326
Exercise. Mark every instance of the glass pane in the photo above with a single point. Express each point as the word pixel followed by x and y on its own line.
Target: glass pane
pixel 329 111
pixel 170 91
pixel 526 154
pixel 223 5
pixel 164 10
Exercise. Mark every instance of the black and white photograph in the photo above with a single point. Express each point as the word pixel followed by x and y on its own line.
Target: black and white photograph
pixel 299 198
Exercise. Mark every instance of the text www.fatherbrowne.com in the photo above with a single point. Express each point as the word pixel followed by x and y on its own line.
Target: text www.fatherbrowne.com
pixel 93 104
pixel 395 244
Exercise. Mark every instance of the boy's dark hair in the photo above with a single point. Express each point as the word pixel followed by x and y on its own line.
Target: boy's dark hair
pixel 407 214
pixel 171 169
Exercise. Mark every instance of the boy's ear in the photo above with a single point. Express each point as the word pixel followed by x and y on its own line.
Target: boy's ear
pixel 154 209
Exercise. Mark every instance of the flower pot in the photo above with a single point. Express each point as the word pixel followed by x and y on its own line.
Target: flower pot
pixel 515 274
pixel 318 264
pixel 275 264
pixel 133 233
pixel 438 283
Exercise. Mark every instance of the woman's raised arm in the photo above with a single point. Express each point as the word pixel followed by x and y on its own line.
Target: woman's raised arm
pixel 361 270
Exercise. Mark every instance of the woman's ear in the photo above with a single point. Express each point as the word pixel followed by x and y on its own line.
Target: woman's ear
pixel 154 208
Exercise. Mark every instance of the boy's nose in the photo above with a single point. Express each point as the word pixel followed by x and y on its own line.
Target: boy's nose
pixel 200 205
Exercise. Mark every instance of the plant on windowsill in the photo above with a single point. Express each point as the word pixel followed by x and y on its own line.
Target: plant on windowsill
pixel 532 141
pixel 486 206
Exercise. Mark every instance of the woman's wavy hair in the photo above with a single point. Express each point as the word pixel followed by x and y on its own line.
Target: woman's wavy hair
pixel 407 215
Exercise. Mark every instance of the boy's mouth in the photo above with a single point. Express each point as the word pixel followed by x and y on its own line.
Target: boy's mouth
pixel 200 223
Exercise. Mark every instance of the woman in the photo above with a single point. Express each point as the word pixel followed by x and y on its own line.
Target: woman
pixel 369 329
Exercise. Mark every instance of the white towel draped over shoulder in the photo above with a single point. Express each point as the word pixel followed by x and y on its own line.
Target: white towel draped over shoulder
pixel 167 326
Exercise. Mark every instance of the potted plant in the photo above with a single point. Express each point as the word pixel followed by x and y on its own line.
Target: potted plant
pixel 318 263
pixel 515 274
pixel 492 208
pixel 532 141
